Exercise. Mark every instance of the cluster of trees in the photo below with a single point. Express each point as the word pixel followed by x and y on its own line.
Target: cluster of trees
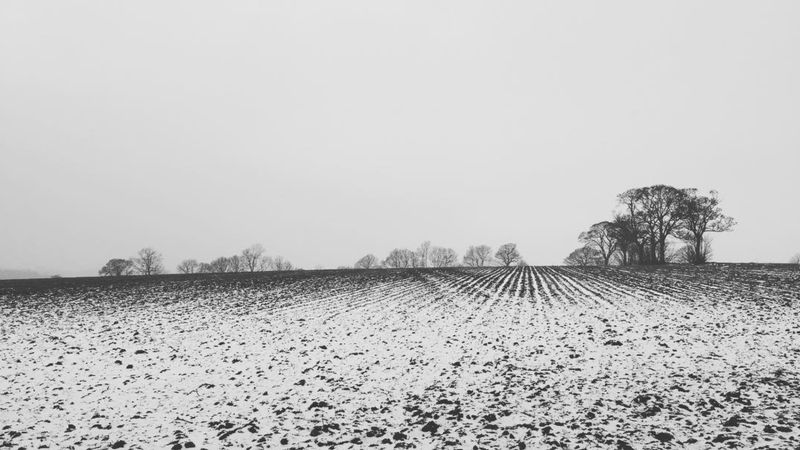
pixel 649 220
pixel 432 256
pixel 146 262
pixel 150 262
pixel 251 259
pixel 254 259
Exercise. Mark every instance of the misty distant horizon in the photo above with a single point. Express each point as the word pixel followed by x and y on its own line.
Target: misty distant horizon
pixel 325 133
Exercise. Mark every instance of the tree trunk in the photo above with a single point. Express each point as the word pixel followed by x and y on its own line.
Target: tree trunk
pixel 698 248
pixel 653 249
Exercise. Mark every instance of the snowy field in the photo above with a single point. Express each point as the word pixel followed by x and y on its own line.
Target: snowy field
pixel 535 357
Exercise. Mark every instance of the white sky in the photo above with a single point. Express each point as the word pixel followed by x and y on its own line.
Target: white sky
pixel 326 130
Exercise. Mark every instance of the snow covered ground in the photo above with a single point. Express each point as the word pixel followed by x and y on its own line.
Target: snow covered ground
pixel 535 357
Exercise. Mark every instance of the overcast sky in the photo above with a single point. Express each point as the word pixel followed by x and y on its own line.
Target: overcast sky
pixel 327 130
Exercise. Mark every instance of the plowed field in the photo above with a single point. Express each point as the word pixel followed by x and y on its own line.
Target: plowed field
pixel 534 357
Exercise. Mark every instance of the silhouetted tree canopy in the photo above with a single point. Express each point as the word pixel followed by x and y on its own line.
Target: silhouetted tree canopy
pixel 422 255
pixel 252 258
pixel 508 254
pixel 219 265
pixel 658 209
pixel 235 264
pixel 367 262
pixel 652 218
pixel 443 257
pixel 400 258
pixel 478 255
pixel 148 262
pixel 601 236
pixel 117 267
pixel 700 215
pixel 584 256
pixel 188 266
pixel 281 263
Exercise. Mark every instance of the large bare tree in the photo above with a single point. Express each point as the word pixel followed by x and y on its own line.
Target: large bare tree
pixel 367 262
pixel 149 262
pixel 603 237
pixel 443 257
pixel 508 254
pixel 117 267
pixel 188 266
pixel 478 255
pixel 701 214
pixel 252 256
pixel 659 209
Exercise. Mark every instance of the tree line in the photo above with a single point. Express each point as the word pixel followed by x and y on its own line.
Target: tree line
pixel 427 255
pixel 150 262
pixel 648 221
pixel 254 259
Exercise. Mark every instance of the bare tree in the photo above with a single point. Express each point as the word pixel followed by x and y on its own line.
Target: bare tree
pixel 701 214
pixel 149 262
pixel 400 258
pixel 477 256
pixel 282 263
pixel 469 257
pixel 367 262
pixel 117 267
pixel 251 257
pixel 584 256
pixel 205 268
pixel 508 254
pixel 443 257
pixel 795 259
pixel 422 254
pixel 219 265
pixel 660 210
pixel 188 266
pixel 265 263
pixel 602 236
pixel 628 237
pixel 235 264
pixel 633 227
